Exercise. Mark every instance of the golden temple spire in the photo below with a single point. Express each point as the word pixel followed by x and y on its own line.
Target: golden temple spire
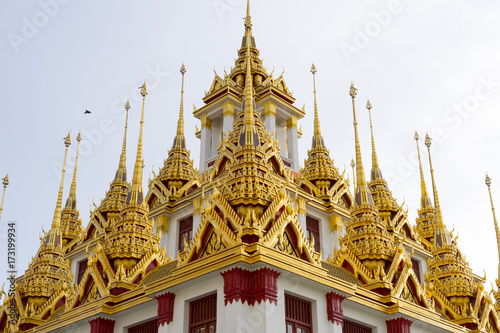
pixel 248 136
pixel 488 183
pixel 135 194
pixel 122 167
pixel 376 172
pixel 363 195
pixel 248 19
pixel 5 182
pixel 317 139
pixel 56 222
pixel 441 236
pixel 179 140
pixel 425 201
pixel 72 191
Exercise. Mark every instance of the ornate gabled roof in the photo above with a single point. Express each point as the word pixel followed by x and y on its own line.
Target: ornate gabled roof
pixel 392 214
pixel 318 167
pixel 104 215
pixel 448 271
pixel 366 235
pixel 131 238
pixel 49 274
pixel 178 168
pixel 426 221
pixel 71 224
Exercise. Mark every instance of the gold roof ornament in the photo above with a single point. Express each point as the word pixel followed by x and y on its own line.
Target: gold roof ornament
pixel 426 222
pixel 178 174
pixel 497 230
pixel 389 211
pixel 109 209
pixel 366 235
pixel 376 173
pixel 441 235
pixel 70 217
pixel 132 238
pixel 249 136
pixel 319 171
pixel 5 182
pixel 447 269
pixel 49 274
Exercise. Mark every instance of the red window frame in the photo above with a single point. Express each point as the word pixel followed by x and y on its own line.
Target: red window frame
pixel 416 268
pixel 298 315
pixel 82 267
pixel 147 327
pixel 185 230
pixel 352 327
pixel 312 228
pixel 203 315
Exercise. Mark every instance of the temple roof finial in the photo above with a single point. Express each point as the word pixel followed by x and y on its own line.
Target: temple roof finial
pixel 425 201
pixel 72 191
pixel 122 172
pixel 248 18
pixel 497 230
pixel 179 139
pixel 135 194
pixel 363 195
pixel 5 182
pixel 441 236
pixel 376 172
pixel 249 135
pixel 56 221
pixel 317 139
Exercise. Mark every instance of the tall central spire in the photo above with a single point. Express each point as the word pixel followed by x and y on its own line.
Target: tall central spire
pixel 497 230
pixel 135 194
pixel 121 173
pixel 317 139
pixel 248 19
pixel 363 195
pixel 425 201
pixel 441 236
pixel 249 136
pixel 179 140
pixel 72 191
pixel 376 172
pixel 56 222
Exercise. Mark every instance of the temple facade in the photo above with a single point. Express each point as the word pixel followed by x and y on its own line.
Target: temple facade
pixel 251 240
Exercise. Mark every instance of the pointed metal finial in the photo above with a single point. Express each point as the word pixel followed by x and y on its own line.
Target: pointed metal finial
pixel 427 140
pixel 67 140
pixel 127 106
pixel 368 105
pixel 183 69
pixel 313 69
pixel 425 201
pixel 5 181
pixel 248 18
pixel 144 89
pixel 497 230
pixel 353 91
pixel 376 172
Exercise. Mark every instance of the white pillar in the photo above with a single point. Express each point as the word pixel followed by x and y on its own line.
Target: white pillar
pixel 266 318
pixel 332 327
pixel 165 328
pixel 236 317
pixel 228 114
pixel 292 140
pixel 270 117
pixel 206 140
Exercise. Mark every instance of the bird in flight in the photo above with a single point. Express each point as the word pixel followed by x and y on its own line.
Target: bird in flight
pixel 87 112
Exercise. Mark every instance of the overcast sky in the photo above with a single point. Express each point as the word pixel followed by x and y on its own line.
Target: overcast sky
pixel 424 65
